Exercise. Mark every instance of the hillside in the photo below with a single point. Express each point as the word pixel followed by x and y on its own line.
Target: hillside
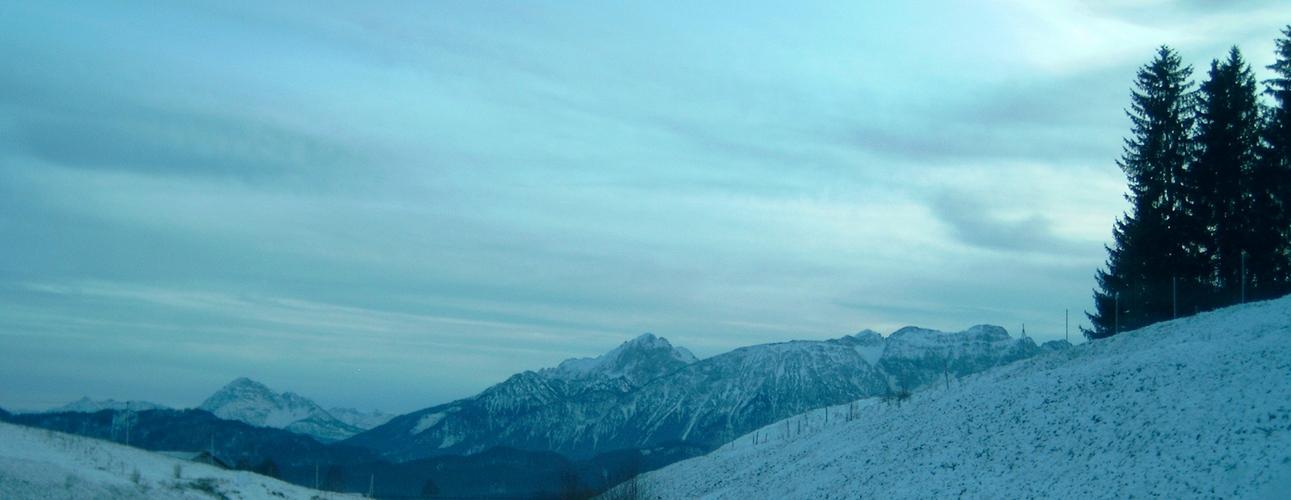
pixel 51 465
pixel 234 442
pixel 1193 408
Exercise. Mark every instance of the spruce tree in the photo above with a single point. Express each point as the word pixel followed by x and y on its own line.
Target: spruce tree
pixel 1221 178
pixel 1272 278
pixel 1149 255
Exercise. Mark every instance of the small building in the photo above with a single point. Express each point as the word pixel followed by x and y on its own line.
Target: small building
pixel 200 457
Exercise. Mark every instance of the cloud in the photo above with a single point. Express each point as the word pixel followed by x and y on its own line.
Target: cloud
pixel 112 133
pixel 1065 118
pixel 973 223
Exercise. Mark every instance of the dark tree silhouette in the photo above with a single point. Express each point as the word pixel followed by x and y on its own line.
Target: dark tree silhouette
pixel 1270 256
pixel 429 489
pixel 267 468
pixel 1210 187
pixel 1221 177
pixel 335 479
pixel 571 487
pixel 1150 256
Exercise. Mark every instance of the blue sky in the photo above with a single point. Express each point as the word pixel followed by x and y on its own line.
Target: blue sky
pixel 392 205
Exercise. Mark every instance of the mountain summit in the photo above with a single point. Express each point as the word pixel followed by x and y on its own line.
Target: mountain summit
pixel 249 401
pixel 637 361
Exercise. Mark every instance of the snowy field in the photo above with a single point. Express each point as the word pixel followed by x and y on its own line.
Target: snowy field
pixel 42 464
pixel 1194 408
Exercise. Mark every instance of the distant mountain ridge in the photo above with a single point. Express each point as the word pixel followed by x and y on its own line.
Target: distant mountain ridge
pixel 647 392
pixel 248 401
pixel 251 402
pixel 87 405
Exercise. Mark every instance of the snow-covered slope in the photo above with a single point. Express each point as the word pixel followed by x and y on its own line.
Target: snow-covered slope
pixel 1194 408
pixel 37 463
pixel 87 405
pixel 359 419
pixel 249 401
pixel 648 393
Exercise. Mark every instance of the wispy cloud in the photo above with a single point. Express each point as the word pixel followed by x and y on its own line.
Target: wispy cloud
pixel 973 223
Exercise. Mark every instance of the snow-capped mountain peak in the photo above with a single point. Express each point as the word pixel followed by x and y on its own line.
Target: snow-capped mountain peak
pixel 866 337
pixel 638 361
pixel 252 402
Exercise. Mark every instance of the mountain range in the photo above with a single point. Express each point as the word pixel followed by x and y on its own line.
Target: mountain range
pixel 648 393
pixel 641 406
pixel 87 405
pixel 248 401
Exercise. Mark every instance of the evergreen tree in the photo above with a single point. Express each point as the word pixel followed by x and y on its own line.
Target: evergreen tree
pixel 1221 178
pixel 429 489
pixel 1149 253
pixel 1272 278
pixel 268 468
pixel 335 479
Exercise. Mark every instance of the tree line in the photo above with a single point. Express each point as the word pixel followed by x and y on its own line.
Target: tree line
pixel 1209 171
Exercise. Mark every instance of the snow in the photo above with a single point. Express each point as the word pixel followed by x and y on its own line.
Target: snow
pixel 870 353
pixel 1194 408
pixel 621 361
pixel 708 403
pixel 450 440
pixel 427 422
pixel 38 463
pixel 251 402
pixel 361 420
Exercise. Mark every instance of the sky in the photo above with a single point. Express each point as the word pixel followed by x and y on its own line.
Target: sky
pixel 390 205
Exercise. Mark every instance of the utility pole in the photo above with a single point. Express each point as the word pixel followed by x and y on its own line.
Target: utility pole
pixel 1116 315
pixel 1066 325
pixel 1174 292
pixel 1243 276
pixel 372 486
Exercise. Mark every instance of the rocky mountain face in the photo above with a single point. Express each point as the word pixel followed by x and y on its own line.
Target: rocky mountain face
pixel 248 401
pixel 637 362
pixel 647 393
